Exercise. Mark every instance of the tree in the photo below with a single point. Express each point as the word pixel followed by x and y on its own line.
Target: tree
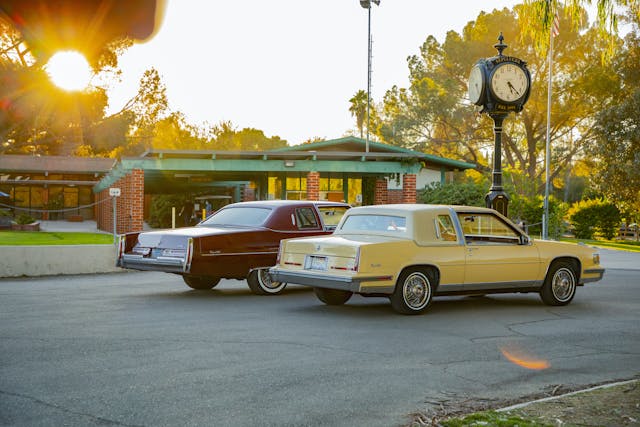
pixel 358 109
pixel 226 137
pixel 537 17
pixel 615 163
pixel 38 118
pixel 433 114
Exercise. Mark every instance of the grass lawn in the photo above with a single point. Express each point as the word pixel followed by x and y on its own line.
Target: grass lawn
pixel 625 245
pixel 43 238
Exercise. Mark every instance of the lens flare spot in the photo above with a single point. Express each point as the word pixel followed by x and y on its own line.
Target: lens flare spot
pixel 524 360
pixel 69 70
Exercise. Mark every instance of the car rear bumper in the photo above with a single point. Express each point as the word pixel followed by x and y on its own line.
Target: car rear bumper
pixel 322 280
pixel 167 265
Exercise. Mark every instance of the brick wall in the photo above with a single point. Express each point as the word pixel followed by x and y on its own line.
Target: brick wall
pixel 129 206
pixel 394 196
pixel 313 186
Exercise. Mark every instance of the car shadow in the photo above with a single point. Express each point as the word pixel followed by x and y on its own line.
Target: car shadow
pixel 239 292
pixel 459 305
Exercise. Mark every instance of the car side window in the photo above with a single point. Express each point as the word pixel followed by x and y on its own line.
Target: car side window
pixel 485 227
pixel 331 215
pixel 446 230
pixel 305 218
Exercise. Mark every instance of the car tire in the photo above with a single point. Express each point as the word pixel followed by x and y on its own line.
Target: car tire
pixel 559 286
pixel 332 296
pixel 200 283
pixel 260 283
pixel 414 291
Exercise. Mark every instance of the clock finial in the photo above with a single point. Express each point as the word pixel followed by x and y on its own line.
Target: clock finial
pixel 500 46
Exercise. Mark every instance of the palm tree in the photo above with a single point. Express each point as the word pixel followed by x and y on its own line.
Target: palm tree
pixel 358 108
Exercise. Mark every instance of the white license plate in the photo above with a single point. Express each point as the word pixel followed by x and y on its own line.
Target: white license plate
pixel 316 263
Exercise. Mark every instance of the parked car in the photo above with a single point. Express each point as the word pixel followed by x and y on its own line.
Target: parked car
pixel 240 241
pixel 410 253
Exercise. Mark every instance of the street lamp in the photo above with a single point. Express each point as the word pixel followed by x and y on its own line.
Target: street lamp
pixel 367 5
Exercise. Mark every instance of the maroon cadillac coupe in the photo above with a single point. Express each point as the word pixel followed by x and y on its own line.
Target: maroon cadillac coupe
pixel 240 241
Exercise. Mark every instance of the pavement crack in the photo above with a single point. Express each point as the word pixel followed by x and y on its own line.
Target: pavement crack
pixel 100 420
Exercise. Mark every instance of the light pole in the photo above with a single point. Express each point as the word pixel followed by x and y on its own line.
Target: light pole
pixel 367 5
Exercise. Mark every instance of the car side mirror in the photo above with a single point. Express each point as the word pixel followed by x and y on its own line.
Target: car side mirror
pixel 523 239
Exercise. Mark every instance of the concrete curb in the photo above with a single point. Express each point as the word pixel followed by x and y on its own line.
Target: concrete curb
pixel 16 261
pixel 547 399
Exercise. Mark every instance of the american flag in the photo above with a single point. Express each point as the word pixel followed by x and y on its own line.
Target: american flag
pixel 555 25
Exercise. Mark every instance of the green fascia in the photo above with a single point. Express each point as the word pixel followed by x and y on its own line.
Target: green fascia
pixel 255 165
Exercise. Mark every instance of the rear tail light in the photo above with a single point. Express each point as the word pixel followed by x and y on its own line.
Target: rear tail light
pixel 122 241
pixel 188 256
pixel 356 262
pixel 279 256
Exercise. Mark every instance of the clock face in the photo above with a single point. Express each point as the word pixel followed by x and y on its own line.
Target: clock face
pixel 509 82
pixel 476 85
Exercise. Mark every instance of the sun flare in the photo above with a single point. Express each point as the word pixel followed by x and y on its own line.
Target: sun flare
pixel 69 70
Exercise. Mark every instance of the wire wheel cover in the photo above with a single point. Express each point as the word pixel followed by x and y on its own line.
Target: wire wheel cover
pixel 416 291
pixel 563 284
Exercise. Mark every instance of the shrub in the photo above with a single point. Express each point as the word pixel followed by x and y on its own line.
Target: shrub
pixel 160 215
pixel 531 210
pixel 25 218
pixel 589 217
pixel 454 193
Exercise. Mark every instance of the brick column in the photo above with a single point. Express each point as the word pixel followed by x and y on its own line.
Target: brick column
pixel 313 186
pixel 129 206
pixel 409 188
pixel 381 193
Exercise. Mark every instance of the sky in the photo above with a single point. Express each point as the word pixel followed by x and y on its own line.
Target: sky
pixel 286 67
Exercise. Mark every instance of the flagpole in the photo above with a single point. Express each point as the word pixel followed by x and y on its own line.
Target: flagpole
pixel 545 215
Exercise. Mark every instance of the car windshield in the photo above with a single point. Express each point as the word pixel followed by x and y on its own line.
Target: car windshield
pixel 389 223
pixel 244 216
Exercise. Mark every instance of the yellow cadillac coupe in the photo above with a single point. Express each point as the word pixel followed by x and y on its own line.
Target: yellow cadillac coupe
pixel 411 253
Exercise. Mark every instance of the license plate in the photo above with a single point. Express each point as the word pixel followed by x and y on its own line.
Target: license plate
pixel 316 263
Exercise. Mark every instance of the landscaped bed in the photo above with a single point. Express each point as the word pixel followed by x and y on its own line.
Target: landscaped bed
pixel 44 238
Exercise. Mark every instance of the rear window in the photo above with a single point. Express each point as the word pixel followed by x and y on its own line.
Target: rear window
pixel 245 216
pixel 388 223
pixel 331 215
pixel 306 218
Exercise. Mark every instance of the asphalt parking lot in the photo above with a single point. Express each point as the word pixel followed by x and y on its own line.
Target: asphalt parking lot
pixel 141 348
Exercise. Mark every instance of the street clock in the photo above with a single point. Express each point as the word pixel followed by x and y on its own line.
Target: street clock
pixel 499 84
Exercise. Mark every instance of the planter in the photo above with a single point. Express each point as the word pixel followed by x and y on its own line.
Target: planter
pixel 34 226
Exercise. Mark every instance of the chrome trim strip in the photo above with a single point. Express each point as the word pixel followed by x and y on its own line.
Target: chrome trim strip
pixel 241 253
pixel 502 285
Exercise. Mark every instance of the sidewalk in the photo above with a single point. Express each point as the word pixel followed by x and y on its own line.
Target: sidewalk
pixel 615 259
pixel 86 226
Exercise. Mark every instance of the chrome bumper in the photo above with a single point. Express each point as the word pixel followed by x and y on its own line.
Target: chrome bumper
pixel 138 262
pixel 321 280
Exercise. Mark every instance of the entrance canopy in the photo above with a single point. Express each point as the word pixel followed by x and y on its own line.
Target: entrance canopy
pixel 168 171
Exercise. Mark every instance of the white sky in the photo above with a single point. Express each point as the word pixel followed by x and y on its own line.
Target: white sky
pixel 287 67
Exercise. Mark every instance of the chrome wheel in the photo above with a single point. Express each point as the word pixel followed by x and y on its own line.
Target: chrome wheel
pixel 559 287
pixel 563 284
pixel 260 283
pixel 414 291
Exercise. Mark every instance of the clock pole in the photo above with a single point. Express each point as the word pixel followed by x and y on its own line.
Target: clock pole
pixel 500 85
pixel 497 198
